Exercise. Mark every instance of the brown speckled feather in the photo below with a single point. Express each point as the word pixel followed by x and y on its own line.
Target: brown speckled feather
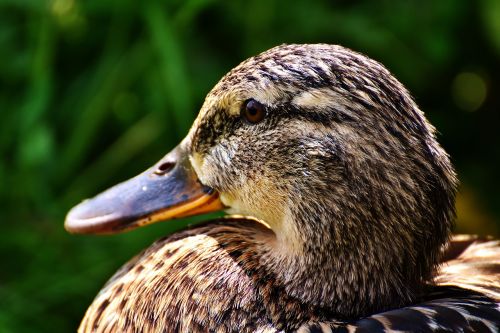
pixel 474 265
pixel 176 285
pixel 189 282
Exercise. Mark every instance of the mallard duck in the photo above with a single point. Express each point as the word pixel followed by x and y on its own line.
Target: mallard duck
pixel 342 203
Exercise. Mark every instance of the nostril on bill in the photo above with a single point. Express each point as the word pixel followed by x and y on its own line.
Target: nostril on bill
pixel 164 168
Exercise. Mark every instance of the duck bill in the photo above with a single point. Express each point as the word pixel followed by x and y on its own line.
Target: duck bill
pixel 168 190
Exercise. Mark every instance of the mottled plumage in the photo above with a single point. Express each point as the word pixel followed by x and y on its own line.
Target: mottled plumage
pixel 357 198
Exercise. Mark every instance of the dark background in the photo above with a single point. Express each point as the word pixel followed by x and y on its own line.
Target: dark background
pixel 93 92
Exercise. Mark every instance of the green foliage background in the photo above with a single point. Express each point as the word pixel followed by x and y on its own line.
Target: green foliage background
pixel 94 91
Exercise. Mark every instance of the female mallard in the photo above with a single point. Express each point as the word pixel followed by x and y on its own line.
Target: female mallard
pixel 352 202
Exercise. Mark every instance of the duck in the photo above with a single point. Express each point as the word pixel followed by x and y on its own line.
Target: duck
pixel 340 210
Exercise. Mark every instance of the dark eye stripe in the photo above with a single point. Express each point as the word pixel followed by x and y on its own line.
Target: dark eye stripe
pixel 324 116
pixel 222 125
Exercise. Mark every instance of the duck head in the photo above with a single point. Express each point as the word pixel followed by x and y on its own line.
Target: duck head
pixel 328 149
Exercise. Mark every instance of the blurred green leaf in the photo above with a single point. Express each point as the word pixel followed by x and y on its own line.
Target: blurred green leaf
pixel 490 11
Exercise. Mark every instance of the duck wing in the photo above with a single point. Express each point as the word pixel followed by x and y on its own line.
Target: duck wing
pixel 472 263
pixel 187 282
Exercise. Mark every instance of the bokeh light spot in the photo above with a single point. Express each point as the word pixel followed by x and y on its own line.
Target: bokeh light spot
pixel 62 7
pixel 469 91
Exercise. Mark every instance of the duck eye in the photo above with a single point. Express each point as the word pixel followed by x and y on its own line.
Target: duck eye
pixel 253 111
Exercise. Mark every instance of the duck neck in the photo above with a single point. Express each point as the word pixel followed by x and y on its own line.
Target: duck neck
pixel 328 264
